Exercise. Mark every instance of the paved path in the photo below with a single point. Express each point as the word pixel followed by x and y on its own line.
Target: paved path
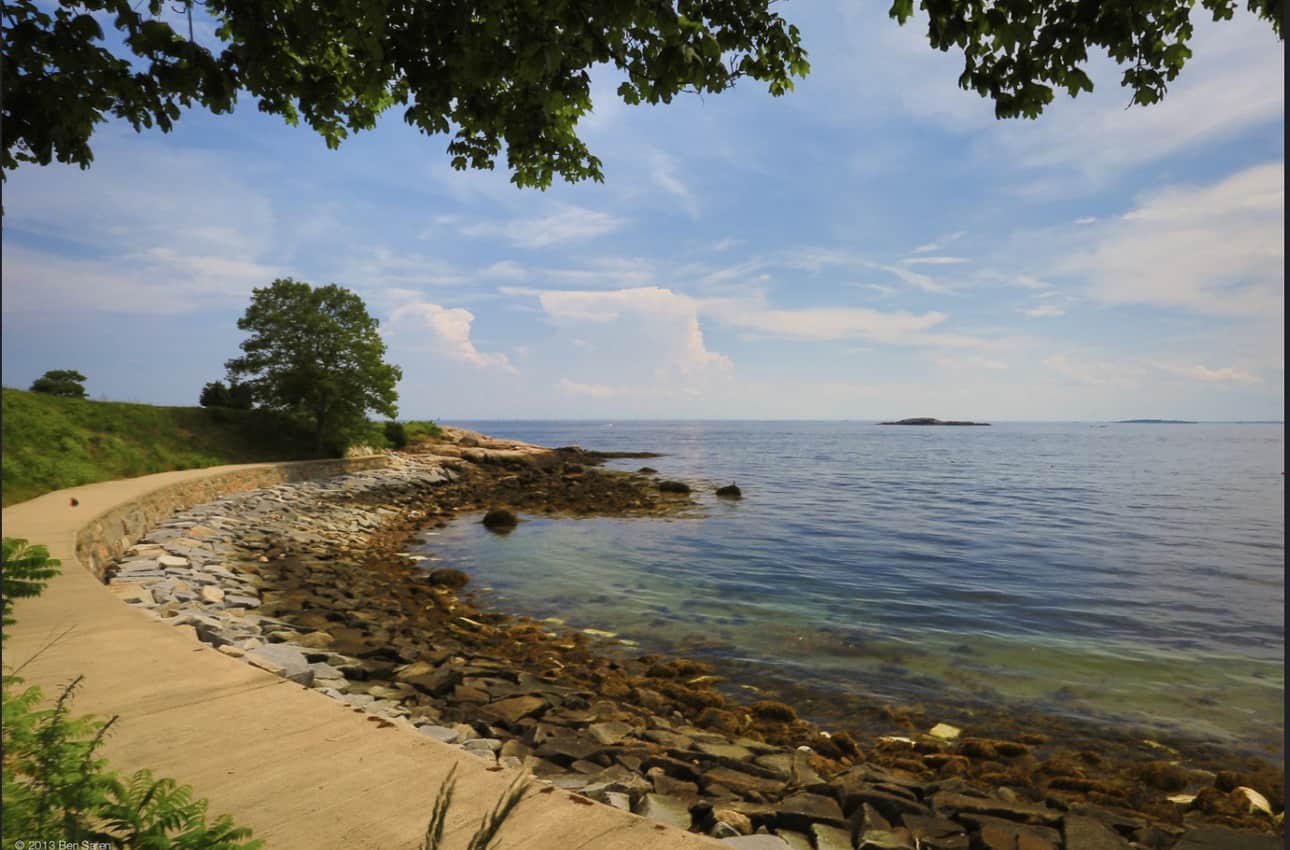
pixel 302 770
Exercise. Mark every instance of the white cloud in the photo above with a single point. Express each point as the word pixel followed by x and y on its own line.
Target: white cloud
pixel 1088 219
pixel 662 170
pixel 1224 375
pixel 1234 82
pixel 934 261
pixel 157 280
pixel 960 362
pixel 576 389
pixel 1095 373
pixel 1044 311
pixel 652 333
pixel 926 248
pixel 915 279
pixel 1216 249
pixel 568 224
pixel 450 333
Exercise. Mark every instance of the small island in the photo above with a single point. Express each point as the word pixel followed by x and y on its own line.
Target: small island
pixel 1154 422
pixel 926 420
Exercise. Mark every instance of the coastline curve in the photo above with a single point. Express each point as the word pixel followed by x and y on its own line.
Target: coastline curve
pixel 298 768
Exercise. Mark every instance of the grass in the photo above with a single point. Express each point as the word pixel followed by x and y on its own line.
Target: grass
pixel 50 443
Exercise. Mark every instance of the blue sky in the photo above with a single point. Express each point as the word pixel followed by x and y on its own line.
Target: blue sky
pixel 872 245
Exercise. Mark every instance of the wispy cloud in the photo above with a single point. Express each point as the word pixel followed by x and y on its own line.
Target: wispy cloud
pixel 662 170
pixel 1043 311
pixel 934 261
pixel 1215 249
pixel 1223 375
pixel 568 224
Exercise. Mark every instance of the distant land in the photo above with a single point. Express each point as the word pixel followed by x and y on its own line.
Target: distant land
pixel 1154 422
pixel 929 421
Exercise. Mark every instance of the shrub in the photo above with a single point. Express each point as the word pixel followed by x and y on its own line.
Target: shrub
pixel 396 434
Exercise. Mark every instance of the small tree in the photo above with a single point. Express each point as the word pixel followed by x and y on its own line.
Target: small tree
pixel 315 352
pixel 214 394
pixel 66 383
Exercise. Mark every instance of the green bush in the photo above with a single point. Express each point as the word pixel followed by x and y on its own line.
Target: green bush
pixel 396 434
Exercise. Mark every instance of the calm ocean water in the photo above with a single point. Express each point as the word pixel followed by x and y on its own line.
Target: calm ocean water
pixel 1110 573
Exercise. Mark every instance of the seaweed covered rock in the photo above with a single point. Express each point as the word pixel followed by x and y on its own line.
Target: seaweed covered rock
pixel 500 519
pixel 673 487
pixel 730 491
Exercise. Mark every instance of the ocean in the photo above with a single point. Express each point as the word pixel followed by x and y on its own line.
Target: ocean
pixel 1119 575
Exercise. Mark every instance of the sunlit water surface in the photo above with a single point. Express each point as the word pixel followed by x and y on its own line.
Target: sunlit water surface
pixel 1130 574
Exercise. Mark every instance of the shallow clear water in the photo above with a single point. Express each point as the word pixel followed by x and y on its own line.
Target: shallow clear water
pixel 1125 573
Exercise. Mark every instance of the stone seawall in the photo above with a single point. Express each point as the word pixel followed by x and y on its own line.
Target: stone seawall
pixel 108 535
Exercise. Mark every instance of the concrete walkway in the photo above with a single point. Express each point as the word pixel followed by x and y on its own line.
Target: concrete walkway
pixel 302 770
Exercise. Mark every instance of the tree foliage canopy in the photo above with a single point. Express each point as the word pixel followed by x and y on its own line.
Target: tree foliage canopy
pixel 515 75
pixel 66 383
pixel 316 352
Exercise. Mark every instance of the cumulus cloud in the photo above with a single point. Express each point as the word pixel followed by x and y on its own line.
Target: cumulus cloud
pixel 449 329
pixel 668 321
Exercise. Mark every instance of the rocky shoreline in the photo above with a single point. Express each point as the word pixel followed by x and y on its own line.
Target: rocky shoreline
pixel 309 581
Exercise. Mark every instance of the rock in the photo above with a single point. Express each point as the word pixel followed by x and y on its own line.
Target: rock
pixel 511 711
pixel 291 661
pixel 948 802
pixel 491 744
pixel 1257 802
pixel 881 839
pixel 1221 838
pixel 212 594
pixel 1000 834
pixel 448 577
pixel 437 682
pixel 891 806
pixel 664 809
pixel 1086 833
pixel 757 842
pixel 314 640
pixel 795 840
pixel 610 732
pixel 673 487
pixel 936 833
pixel 500 519
pixel 232 651
pixel 741 783
pixel 737 821
pixel 800 810
pixel 830 837
pixel 945 731
pixel 172 562
pixel 730 491
pixel 733 752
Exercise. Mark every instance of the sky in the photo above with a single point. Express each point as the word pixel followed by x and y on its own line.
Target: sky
pixel 872 245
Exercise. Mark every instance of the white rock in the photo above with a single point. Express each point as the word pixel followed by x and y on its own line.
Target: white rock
pixel 1258 803
pixel 172 561
pixel 945 731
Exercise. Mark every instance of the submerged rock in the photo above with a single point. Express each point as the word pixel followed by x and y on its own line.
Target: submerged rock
pixel 730 491
pixel 673 487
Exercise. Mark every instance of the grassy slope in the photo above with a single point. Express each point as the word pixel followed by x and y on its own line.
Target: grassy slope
pixel 50 443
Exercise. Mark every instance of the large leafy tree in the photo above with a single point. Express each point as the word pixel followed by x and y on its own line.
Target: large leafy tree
pixel 514 74
pixel 315 352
